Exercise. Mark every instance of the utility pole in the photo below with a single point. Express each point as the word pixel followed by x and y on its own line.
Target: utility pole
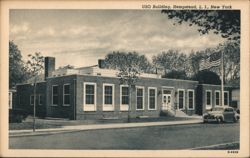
pixel 222 78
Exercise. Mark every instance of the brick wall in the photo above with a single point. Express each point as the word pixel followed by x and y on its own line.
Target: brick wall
pixel 144 82
pixel 60 110
pixel 201 102
pixel 76 83
pixel 23 94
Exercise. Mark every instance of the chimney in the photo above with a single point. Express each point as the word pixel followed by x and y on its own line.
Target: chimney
pixel 49 66
pixel 101 64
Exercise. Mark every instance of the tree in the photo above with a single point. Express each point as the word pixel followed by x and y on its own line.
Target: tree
pixel 223 22
pixel 35 65
pixel 231 62
pixel 207 77
pixel 17 71
pixel 129 75
pixel 119 60
pixel 67 67
pixel 130 66
pixel 194 60
pixel 176 75
pixel 170 60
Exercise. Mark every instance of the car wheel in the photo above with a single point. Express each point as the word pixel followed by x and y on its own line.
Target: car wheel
pixel 235 120
pixel 219 120
pixel 205 120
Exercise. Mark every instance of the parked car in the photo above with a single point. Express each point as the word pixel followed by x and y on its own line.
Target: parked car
pixel 221 114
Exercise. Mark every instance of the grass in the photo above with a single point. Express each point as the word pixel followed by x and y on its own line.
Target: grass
pixel 58 123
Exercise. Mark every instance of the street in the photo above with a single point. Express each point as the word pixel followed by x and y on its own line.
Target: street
pixel 157 137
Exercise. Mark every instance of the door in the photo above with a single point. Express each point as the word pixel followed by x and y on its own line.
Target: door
pixel 166 102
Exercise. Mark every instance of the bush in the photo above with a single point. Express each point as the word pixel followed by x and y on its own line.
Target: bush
pixel 17 115
pixel 207 77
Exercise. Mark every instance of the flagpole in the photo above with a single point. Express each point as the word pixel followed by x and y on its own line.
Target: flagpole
pixel 222 78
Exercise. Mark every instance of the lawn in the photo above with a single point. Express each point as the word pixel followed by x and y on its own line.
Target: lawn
pixel 57 123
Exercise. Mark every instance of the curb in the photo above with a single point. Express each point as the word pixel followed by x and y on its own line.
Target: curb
pixel 59 130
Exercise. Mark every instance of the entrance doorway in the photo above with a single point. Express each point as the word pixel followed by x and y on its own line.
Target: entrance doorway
pixel 166 102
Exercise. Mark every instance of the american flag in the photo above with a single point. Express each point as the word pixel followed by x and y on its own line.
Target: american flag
pixel 212 61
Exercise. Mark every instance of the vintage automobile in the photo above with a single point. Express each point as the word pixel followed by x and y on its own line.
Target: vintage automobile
pixel 221 114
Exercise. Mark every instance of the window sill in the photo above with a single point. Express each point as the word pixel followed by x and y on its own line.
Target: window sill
pixel 66 104
pixel 107 107
pixel 124 107
pixel 89 107
pixel 139 109
pixel 152 109
pixel 180 109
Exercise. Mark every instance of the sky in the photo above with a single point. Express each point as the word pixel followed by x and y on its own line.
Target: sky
pixel 81 37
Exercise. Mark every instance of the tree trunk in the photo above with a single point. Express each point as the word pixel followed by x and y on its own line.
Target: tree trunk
pixel 129 104
pixel 34 109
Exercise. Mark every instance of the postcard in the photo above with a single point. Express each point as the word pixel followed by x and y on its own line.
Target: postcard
pixel 124 78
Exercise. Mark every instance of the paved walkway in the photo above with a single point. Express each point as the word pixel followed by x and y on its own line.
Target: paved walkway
pixel 15 133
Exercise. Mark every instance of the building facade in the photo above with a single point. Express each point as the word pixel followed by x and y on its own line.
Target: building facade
pixel 96 93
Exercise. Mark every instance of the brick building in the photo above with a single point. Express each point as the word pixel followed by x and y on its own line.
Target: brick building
pixel 95 93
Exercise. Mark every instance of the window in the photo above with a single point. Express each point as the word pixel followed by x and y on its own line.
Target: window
pixel 54 95
pixel 139 98
pixel 108 94
pixel 226 98
pixel 208 99
pixel 66 94
pixel 124 95
pixel 190 99
pixel 166 91
pixel 108 97
pixel 181 99
pixel 229 110
pixel 32 100
pixel 89 96
pixel 152 98
pixel 40 102
pixel 217 98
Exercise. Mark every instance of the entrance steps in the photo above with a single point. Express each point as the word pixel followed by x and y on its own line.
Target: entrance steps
pixel 179 113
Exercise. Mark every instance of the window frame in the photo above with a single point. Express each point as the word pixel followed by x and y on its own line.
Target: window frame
pixel 52 103
pixel 108 107
pixel 183 99
pixel 143 97
pixel 211 104
pixel 124 107
pixel 190 90
pixel 217 91
pixel 155 96
pixel 67 84
pixel 89 107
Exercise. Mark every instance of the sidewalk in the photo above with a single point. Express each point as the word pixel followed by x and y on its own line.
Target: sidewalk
pixel 18 133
